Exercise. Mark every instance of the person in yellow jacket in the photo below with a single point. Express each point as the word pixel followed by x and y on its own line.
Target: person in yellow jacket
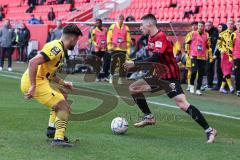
pixel 226 58
pixel 199 51
pixel 187 53
pixel 234 48
pixel 119 46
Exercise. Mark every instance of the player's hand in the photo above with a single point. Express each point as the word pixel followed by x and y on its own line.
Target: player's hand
pixel 128 65
pixel 30 93
pixel 214 57
pixel 68 85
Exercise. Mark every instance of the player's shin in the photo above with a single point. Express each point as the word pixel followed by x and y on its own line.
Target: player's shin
pixel 197 116
pixel 61 124
pixel 51 124
pixel 140 100
pixel 52 118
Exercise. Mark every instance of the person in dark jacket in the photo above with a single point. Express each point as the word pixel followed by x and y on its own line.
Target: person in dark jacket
pixel 51 15
pixel 23 37
pixel 7 38
pixel 213 35
pixel 217 56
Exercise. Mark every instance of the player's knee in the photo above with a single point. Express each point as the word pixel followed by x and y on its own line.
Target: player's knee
pixel 132 90
pixel 62 106
pixel 63 115
pixel 182 104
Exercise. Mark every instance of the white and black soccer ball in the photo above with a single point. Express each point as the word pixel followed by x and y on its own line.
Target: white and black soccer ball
pixel 119 125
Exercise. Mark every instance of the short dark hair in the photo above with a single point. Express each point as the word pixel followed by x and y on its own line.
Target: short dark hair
pixel 194 23
pixel 150 17
pixel 98 20
pixel 201 22
pixel 72 29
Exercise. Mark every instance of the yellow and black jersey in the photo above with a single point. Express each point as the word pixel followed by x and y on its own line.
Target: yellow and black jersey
pixel 187 42
pixel 53 53
pixel 223 41
pixel 231 41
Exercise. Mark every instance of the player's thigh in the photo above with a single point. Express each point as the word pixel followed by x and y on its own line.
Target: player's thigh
pixel 48 96
pixel 173 88
pixel 60 89
pixel 139 86
pixel 194 65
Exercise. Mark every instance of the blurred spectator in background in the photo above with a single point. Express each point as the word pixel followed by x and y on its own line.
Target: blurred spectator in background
pixel 7 37
pixel 226 58
pixel 234 46
pixel 40 20
pixel 49 35
pixel 42 2
pixel 31 8
pixel 57 32
pixel 34 20
pixel 22 39
pixel 200 44
pixel 217 56
pixel 2 15
pixel 99 38
pixel 51 15
pixel 70 2
pixel 213 35
pixel 32 2
pixel 60 1
pixel 140 46
pixel 130 18
pixel 187 54
pixel 119 44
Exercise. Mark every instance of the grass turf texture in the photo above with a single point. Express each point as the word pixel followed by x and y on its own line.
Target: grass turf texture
pixel 175 136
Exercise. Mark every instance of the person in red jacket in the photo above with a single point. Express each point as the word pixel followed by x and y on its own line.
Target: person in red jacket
pixel 161 52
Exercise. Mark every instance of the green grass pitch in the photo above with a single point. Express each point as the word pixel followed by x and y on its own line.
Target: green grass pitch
pixel 23 125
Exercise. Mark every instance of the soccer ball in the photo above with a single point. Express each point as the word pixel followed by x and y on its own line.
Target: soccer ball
pixel 119 125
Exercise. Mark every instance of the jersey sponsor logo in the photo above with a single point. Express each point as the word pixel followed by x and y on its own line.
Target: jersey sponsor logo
pixel 55 50
pixel 158 44
pixel 173 87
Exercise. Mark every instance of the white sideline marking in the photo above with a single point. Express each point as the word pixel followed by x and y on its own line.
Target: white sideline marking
pixel 152 102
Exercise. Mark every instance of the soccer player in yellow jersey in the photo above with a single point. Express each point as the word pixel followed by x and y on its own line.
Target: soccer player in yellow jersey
pixel 35 83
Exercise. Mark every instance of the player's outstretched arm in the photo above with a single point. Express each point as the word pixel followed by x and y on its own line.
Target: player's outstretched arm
pixel 131 64
pixel 32 69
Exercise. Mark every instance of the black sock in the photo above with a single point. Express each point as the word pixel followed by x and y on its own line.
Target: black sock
pixel 140 100
pixel 197 116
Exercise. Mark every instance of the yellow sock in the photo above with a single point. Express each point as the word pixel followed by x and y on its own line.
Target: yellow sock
pixel 52 118
pixel 189 77
pixel 229 82
pixel 61 126
pixel 223 84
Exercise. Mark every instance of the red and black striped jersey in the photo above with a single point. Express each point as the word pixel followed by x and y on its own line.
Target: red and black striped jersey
pixel 158 44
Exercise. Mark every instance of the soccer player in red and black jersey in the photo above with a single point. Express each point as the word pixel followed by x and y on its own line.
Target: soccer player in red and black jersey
pixel 162 55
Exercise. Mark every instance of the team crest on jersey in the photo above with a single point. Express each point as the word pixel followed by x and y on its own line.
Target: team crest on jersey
pixel 55 50
pixel 173 86
pixel 158 44
pixel 152 45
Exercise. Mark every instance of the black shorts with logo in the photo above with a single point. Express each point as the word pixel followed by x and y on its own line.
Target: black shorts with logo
pixel 171 86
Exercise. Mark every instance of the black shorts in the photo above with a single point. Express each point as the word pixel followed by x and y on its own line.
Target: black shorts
pixel 171 86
